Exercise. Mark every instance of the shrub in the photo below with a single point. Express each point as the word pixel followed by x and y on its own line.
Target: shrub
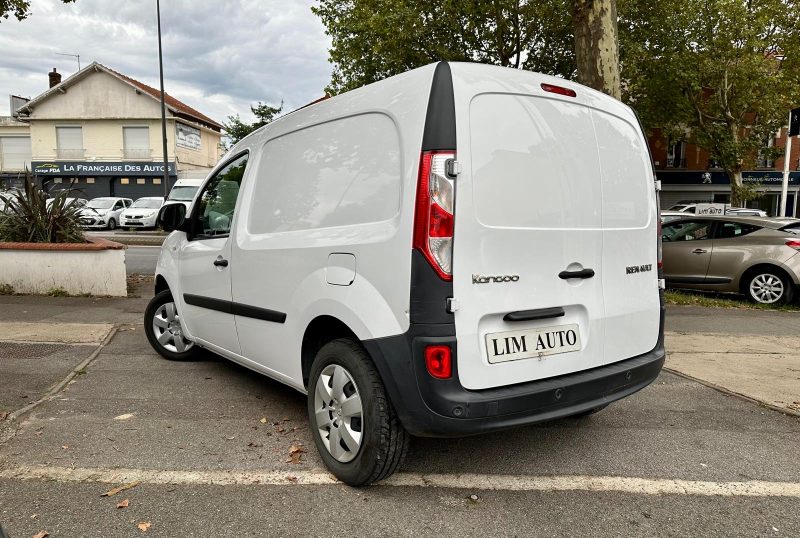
pixel 29 218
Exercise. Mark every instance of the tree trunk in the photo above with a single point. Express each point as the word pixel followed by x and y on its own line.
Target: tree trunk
pixel 596 45
pixel 735 177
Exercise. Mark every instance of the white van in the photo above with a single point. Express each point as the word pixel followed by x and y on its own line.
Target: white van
pixel 183 192
pixel 450 251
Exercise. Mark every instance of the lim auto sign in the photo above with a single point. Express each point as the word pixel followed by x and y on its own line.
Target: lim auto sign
pixel 91 169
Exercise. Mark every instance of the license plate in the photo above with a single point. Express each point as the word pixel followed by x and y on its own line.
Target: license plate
pixel 529 343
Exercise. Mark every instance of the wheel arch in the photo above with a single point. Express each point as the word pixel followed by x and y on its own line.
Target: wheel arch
pixel 320 331
pixel 747 274
pixel 161 284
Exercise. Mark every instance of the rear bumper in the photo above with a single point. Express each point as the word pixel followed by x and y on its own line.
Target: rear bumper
pixel 443 408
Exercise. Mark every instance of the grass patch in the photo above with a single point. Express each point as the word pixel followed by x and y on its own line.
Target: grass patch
pixel 720 300
pixel 6 289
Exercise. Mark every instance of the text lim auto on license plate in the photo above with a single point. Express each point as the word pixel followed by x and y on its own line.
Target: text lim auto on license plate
pixel 528 343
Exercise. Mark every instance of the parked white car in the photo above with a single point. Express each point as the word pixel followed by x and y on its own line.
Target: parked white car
pixel 77 202
pixel 142 213
pixel 104 212
pixel 454 250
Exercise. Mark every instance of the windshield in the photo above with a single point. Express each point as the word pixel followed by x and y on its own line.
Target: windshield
pixel 100 203
pixel 148 203
pixel 183 194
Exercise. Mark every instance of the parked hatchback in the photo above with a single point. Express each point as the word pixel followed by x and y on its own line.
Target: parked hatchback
pixel 143 213
pixel 752 255
pixel 104 212
pixel 455 250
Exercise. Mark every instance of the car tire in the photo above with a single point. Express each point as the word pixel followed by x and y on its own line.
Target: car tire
pixel 112 224
pixel 769 286
pixel 163 329
pixel 370 441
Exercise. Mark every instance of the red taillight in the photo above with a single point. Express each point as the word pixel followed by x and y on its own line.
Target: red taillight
pixel 793 243
pixel 433 218
pixel 560 90
pixel 439 361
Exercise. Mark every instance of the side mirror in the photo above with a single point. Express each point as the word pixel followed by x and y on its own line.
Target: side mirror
pixel 172 217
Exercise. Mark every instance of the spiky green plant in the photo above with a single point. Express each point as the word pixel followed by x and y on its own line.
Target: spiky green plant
pixel 29 218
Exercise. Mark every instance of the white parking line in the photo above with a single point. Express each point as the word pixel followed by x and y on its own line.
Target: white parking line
pixel 641 486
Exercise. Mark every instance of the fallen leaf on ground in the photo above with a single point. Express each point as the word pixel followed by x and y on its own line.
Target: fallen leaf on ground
pixel 143 526
pixel 255 445
pixel 64 447
pixel 263 420
pixel 125 416
pixel 123 503
pixel 4 415
pixel 291 478
pixel 41 534
pixel 116 490
pixel 295 451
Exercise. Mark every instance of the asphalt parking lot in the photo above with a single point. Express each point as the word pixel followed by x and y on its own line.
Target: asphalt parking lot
pixel 207 445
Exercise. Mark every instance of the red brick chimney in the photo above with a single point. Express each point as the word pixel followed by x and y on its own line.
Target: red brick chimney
pixel 55 77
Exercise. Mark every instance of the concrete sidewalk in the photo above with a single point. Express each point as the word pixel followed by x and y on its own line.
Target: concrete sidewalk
pixel 760 367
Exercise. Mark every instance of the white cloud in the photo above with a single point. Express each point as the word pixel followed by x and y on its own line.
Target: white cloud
pixel 219 57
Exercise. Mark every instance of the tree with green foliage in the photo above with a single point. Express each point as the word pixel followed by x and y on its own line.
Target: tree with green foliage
pixel 375 39
pixel 236 129
pixel 20 9
pixel 722 74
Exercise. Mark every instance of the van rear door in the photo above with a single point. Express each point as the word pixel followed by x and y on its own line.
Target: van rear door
pixel 554 203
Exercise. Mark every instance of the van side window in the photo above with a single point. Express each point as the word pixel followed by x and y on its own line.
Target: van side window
pixel 217 203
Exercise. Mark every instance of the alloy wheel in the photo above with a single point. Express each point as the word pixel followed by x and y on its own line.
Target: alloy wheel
pixel 766 288
pixel 168 331
pixel 339 414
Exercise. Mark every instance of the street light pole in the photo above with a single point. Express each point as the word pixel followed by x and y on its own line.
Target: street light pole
pixel 165 179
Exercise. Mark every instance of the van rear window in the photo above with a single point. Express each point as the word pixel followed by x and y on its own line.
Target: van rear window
pixel 545 163
pixel 338 173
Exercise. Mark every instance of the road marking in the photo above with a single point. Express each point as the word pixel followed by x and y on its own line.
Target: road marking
pixel 641 486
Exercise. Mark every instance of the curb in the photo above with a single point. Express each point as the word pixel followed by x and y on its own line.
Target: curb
pixel 16 415
pixel 729 392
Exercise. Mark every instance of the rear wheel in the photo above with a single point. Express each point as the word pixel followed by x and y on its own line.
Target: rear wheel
pixel 354 425
pixel 769 286
pixel 162 325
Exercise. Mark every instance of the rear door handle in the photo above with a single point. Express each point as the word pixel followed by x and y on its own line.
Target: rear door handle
pixel 530 315
pixel 699 251
pixel 583 273
pixel 221 262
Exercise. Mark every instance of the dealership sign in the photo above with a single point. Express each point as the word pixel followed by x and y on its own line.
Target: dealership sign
pixel 84 168
pixel 764 178
pixel 187 137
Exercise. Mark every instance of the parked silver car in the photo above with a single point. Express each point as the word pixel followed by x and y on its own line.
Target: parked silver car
pixel 755 256
pixel 104 212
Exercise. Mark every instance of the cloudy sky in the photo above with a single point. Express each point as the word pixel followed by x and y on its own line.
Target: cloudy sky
pixel 219 56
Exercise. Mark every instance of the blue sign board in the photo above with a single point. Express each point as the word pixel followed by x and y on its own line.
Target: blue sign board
pixel 765 178
pixel 108 168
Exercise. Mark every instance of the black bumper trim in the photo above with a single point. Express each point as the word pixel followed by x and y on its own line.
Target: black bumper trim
pixel 443 408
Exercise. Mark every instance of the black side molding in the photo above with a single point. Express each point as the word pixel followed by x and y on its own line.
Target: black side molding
pixel 237 309
pixel 698 280
pixel 583 273
pixel 538 313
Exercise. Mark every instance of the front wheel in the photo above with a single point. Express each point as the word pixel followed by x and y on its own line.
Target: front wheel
pixel 769 287
pixel 354 425
pixel 112 224
pixel 162 325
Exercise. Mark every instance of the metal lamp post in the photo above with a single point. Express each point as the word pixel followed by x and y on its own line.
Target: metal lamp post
pixel 165 180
